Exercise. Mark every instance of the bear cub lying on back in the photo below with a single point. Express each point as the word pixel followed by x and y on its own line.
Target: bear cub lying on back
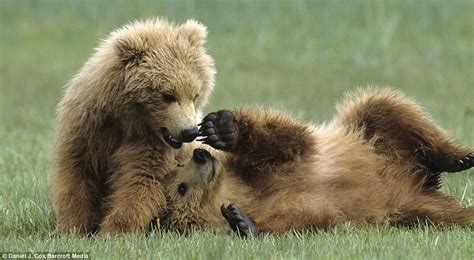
pixel 377 162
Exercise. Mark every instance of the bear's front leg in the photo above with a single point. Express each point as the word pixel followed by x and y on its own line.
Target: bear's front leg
pixel 262 140
pixel 137 195
pixel 239 221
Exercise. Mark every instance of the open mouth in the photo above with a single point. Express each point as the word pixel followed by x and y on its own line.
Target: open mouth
pixel 169 139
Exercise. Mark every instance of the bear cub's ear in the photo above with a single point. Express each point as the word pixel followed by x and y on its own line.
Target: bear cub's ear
pixel 130 49
pixel 194 31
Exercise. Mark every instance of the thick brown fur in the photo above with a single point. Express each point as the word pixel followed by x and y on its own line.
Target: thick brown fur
pixel 286 175
pixel 402 131
pixel 111 154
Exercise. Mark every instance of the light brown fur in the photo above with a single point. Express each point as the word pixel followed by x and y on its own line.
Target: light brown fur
pixel 355 169
pixel 110 155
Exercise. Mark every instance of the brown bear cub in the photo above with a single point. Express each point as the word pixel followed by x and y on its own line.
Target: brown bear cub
pixel 121 121
pixel 377 162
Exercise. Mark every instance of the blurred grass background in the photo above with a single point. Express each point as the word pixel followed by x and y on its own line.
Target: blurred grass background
pixel 300 56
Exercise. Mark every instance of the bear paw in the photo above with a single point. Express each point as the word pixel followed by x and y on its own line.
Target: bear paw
pixel 238 220
pixel 465 163
pixel 216 129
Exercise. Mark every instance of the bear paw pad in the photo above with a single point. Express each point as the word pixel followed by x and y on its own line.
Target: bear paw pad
pixel 216 129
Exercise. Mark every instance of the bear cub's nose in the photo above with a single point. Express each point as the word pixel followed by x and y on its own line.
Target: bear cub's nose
pixel 188 135
pixel 201 156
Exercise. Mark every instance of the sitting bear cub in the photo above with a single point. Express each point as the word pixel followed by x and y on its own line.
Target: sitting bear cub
pixel 377 162
pixel 121 123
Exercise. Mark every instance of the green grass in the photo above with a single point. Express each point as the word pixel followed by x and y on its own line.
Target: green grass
pixel 294 55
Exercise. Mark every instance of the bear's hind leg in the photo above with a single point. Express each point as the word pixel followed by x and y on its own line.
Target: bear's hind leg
pixel 306 215
pixel 76 200
pixel 435 208
pixel 403 131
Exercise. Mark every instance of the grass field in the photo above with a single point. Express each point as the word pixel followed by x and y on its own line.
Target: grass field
pixel 294 55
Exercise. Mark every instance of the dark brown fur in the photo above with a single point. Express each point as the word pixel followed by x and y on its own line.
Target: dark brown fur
pixel 286 175
pixel 403 132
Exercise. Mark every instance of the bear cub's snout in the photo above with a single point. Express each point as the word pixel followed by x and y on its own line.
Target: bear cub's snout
pixel 201 156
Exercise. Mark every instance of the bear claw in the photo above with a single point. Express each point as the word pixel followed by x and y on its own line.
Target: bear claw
pixel 216 129
pixel 238 220
pixel 466 162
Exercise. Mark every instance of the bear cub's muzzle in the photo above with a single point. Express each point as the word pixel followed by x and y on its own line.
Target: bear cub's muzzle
pixel 201 156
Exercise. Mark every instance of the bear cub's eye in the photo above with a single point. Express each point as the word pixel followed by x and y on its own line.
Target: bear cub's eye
pixel 182 188
pixel 169 98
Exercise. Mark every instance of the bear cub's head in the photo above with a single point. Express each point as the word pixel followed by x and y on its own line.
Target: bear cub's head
pixel 192 188
pixel 194 184
pixel 165 76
